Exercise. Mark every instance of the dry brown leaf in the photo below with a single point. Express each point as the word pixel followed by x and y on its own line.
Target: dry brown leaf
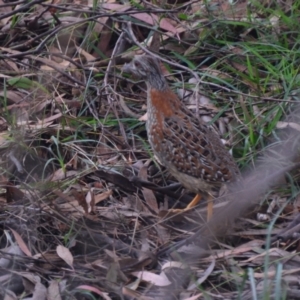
pixel 94 290
pixel 40 292
pixel 272 273
pixel 21 243
pixel 53 292
pixel 273 253
pixel 13 96
pixel 13 193
pixel 282 125
pixel 87 56
pixel 4 10
pixel 34 127
pixel 29 281
pixel 147 193
pixel 10 295
pixel 13 66
pixel 143 118
pixel 238 250
pixel 4 76
pixel 102 196
pixel 152 19
pixel 55 50
pixel 12 250
pixel 155 279
pixel 65 254
pixel 174 264
pixel 44 123
pixel 102 30
pixel 41 101
pixel 115 7
pixel 69 204
pixel 50 65
pixel 61 174
pixel 155 44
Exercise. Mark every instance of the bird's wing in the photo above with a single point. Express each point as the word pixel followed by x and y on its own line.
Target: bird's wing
pixel 194 149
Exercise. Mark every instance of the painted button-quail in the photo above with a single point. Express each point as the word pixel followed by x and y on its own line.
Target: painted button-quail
pixel 192 152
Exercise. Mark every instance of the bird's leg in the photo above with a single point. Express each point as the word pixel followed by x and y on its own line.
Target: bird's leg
pixel 210 204
pixel 194 202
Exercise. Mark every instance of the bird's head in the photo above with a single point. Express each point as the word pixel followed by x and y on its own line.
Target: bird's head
pixel 146 67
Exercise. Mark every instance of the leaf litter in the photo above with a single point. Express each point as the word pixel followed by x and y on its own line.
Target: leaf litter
pixel 84 204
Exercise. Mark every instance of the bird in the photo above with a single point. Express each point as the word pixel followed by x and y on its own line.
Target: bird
pixel 189 149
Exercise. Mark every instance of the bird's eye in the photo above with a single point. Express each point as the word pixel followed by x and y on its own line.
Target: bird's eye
pixel 137 64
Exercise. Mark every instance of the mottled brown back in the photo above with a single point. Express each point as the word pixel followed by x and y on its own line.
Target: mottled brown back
pixel 189 148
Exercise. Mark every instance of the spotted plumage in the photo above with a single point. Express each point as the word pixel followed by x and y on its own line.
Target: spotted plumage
pixel 190 150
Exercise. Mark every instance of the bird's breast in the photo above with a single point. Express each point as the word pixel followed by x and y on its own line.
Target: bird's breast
pixel 154 130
